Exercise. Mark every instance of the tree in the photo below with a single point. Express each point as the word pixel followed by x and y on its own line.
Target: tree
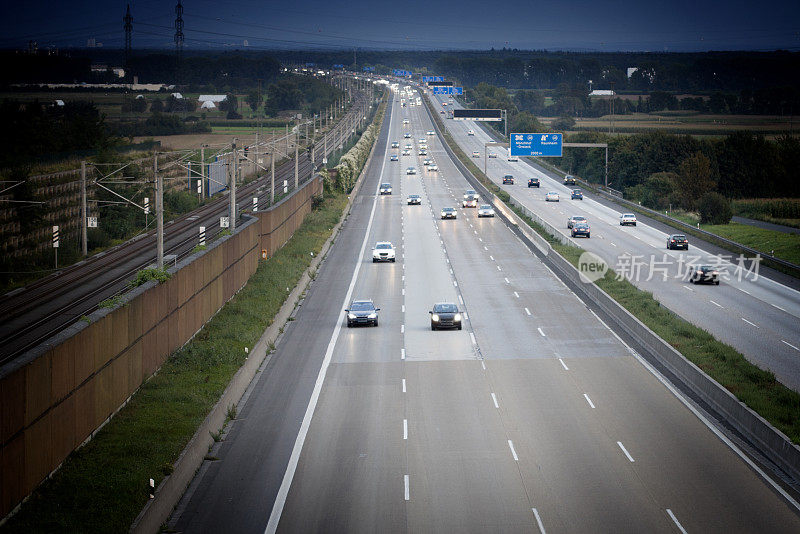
pixel 714 209
pixel 254 100
pixel 563 123
pixel 157 106
pixel 694 179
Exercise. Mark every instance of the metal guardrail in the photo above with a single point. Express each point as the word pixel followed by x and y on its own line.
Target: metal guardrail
pixel 617 196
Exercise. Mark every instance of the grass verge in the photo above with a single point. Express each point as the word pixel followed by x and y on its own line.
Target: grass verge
pixel 757 388
pixel 102 486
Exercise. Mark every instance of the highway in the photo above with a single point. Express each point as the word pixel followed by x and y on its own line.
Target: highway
pixel 533 418
pixel 756 315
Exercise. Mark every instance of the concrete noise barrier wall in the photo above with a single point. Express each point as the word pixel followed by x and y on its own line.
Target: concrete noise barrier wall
pixel 56 396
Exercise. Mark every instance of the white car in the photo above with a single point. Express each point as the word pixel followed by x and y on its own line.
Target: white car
pixel 627 218
pixel 470 199
pixel 449 213
pixel 433 167
pixel 406 152
pixel 383 251
pixel 485 211
pixel 470 132
pixel 411 170
pixel 422 140
pixel 492 155
pixel 414 200
pixel 393 157
pixel 385 189
pixel 513 158
pixel 424 145
pixel 405 121
pixel 395 144
pixel 409 146
pixel 476 154
pixel 552 196
pixel 423 152
pixel 431 132
pixel 427 162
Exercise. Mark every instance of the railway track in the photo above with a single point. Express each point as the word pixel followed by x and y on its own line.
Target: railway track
pixel 35 313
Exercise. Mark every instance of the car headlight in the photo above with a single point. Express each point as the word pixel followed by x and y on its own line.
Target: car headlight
pixel 351 315
pixel 372 315
pixel 435 318
pixel 457 317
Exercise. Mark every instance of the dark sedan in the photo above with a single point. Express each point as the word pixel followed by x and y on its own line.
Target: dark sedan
pixel 577 194
pixel 362 312
pixel 677 241
pixel 445 315
pixel 704 274
pixel 581 229
pixel 508 180
pixel 533 182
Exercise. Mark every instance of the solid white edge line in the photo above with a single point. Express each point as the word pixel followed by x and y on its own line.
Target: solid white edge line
pixel 675 520
pixel 494 399
pixel 564 365
pixel 621 446
pixel 539 521
pixel 291 467
pixel 513 452
pixel 588 400
pixel 784 341
pixel 405 483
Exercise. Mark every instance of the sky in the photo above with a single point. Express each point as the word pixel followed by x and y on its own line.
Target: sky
pixel 621 25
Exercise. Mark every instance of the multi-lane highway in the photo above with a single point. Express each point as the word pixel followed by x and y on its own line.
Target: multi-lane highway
pixel 535 417
pixel 758 316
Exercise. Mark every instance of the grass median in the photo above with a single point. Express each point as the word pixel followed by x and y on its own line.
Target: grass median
pixel 755 387
pixel 103 486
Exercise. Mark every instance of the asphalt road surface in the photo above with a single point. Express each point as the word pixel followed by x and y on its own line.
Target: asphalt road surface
pixel 535 417
pixel 754 314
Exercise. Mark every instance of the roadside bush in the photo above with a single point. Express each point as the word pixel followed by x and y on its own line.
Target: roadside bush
pixel 563 123
pixel 715 209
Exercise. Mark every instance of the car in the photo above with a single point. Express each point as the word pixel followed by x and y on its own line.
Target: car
pixel 572 221
pixel 385 189
pixel 409 147
pixel 422 141
pixel 703 274
pixel 445 315
pixel 533 182
pixel 492 155
pixel 383 251
pixel 627 219
pixel 513 158
pixel 508 179
pixel 427 161
pixel 476 154
pixel 569 180
pixel 393 157
pixel 430 132
pixel 470 199
pixel 411 170
pixel 405 121
pixel 406 152
pixel 576 194
pixel 581 228
pixel 441 111
pixel 552 196
pixel 433 167
pixel 470 132
pixel 444 103
pixel 406 136
pixel 414 200
pixel 395 144
pixel 423 152
pixel 362 312
pixel 677 241
pixel 449 213
pixel 485 211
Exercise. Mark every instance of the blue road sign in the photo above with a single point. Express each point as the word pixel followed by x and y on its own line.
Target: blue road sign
pixel 536 144
pixel 458 91
pixel 441 90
